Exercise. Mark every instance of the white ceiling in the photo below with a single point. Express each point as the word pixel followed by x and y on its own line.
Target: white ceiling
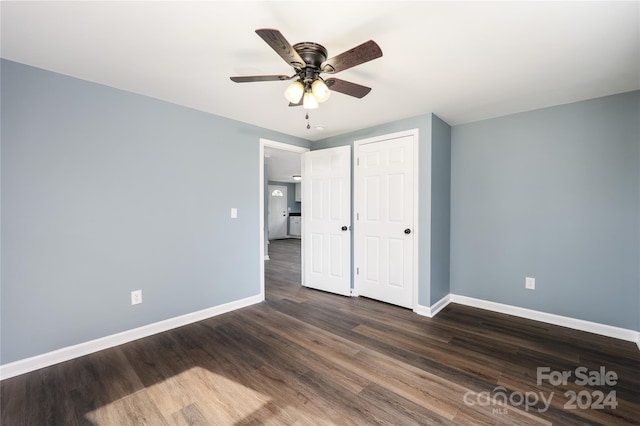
pixel 464 61
pixel 282 165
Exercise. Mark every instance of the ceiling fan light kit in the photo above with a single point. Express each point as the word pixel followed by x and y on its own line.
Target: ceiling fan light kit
pixel 309 60
pixel 320 90
pixel 309 101
pixel 294 92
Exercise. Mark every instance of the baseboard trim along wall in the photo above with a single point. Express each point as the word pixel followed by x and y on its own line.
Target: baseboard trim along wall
pixel 64 354
pixel 576 324
pixel 432 311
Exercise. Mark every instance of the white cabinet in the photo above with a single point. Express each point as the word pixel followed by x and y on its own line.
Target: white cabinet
pixel 298 192
pixel 295 227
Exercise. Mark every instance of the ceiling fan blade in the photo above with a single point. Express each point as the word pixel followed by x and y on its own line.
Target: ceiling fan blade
pixel 348 88
pixel 251 78
pixel 358 55
pixel 282 47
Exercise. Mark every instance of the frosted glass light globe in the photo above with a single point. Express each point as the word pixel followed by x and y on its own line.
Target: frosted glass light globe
pixel 309 101
pixel 320 91
pixel 294 92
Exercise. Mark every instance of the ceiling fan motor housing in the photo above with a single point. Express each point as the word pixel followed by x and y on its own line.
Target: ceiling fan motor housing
pixel 313 54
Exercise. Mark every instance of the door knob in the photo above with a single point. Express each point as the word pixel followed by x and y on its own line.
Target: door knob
pixel 407 231
pixel 344 228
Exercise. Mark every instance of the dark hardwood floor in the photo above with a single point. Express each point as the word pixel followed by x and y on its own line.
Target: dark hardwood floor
pixel 307 357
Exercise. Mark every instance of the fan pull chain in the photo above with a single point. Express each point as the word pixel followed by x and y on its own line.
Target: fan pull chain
pixel 307 118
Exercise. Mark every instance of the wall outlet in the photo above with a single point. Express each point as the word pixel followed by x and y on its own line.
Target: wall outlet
pixel 234 213
pixel 136 297
pixel 530 283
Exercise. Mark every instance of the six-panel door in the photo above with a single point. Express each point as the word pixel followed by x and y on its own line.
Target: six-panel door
pixel 326 220
pixel 384 209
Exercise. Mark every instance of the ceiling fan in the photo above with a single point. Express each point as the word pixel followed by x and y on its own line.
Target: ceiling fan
pixel 309 60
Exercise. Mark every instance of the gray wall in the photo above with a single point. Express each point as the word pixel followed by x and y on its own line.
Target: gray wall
pixel 553 194
pixel 428 249
pixel 104 192
pixel 440 208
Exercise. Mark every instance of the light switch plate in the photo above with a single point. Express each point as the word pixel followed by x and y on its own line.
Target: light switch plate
pixel 234 213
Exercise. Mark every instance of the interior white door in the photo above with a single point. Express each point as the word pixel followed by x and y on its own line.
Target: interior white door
pixel 384 249
pixel 277 216
pixel 326 220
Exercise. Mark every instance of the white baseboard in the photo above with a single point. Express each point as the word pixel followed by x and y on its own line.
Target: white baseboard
pixel 576 324
pixel 432 311
pixel 64 354
pixel 266 257
pixel 424 311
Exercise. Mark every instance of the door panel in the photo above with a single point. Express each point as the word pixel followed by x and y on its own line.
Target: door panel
pixel 372 198
pixel 372 253
pixel 396 252
pixel 325 212
pixel 315 254
pixel 384 206
pixel 336 257
pixel 396 199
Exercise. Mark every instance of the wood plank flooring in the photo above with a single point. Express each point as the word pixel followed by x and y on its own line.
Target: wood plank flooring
pixel 308 357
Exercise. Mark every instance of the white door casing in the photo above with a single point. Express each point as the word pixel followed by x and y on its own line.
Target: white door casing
pixel 386 231
pixel 277 212
pixel 326 220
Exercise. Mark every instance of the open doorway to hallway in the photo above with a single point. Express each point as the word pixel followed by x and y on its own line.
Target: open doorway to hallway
pixel 281 199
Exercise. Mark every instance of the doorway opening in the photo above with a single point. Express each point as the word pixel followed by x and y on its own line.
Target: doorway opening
pixel 279 163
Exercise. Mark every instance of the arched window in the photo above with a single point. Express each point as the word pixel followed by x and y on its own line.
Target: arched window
pixel 277 193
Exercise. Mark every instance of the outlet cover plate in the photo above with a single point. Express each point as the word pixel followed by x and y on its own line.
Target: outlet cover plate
pixel 136 297
pixel 530 283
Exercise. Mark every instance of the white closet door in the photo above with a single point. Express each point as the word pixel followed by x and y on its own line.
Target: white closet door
pixel 384 250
